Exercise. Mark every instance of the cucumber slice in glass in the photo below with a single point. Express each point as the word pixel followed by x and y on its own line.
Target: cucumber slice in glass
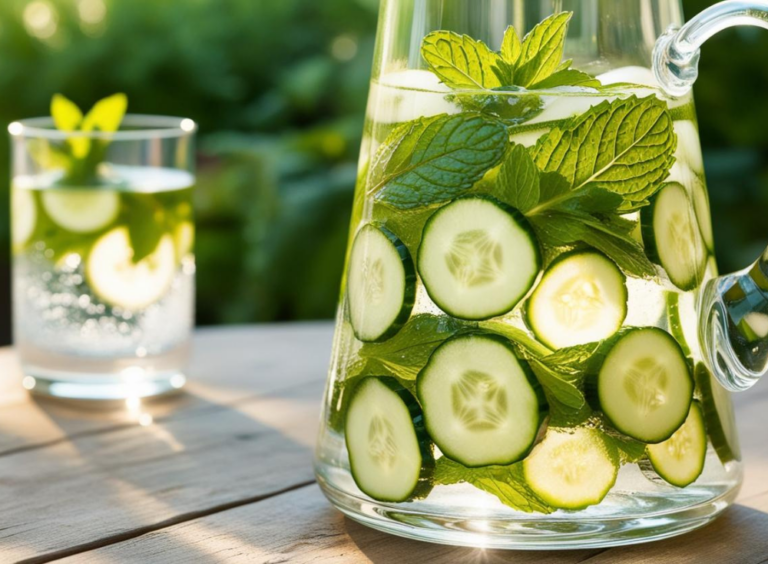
pixel 703 214
pixel 644 386
pixel 719 418
pixel 23 216
pixel 581 298
pixel 81 210
pixel 118 281
pixel 389 452
pixel 572 468
pixel 381 284
pixel 480 401
pixel 673 238
pixel 478 258
pixel 680 459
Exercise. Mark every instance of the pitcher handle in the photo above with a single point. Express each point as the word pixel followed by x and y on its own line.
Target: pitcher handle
pixel 733 309
pixel 677 51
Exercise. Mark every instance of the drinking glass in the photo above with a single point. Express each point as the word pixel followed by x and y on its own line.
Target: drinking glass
pixel 103 263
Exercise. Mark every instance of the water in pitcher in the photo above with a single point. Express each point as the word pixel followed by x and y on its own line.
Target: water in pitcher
pixel 517 330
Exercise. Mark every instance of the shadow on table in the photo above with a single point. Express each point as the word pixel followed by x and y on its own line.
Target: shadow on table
pixel 191 458
pixel 737 537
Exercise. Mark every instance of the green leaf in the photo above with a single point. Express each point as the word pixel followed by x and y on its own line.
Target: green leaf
pixel 433 160
pixel 511 47
pixel 557 229
pixel 625 146
pixel 530 346
pixel 460 61
pixel 577 359
pixel 513 109
pixel 567 77
pixel 565 392
pixel 146 224
pixel 542 50
pixel 506 483
pixel 405 354
pixel 65 113
pixel 518 180
pixel 630 450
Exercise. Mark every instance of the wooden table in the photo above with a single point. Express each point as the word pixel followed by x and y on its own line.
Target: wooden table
pixel 223 473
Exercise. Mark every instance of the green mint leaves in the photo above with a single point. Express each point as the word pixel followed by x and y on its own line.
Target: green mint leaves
pixel 542 50
pixel 507 483
pixel 82 154
pixel 625 146
pixel 463 63
pixel 433 160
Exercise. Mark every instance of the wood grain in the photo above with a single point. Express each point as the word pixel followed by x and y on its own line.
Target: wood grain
pixel 242 444
pixel 226 366
pixel 225 476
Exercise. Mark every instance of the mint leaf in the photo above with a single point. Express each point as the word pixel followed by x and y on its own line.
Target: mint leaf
pixel 530 347
pixel 542 50
pixel 511 47
pixel 577 359
pixel 565 392
pixel 630 450
pixel 625 146
pixel 462 62
pixel 558 229
pixel 506 483
pixel 408 225
pixel 518 180
pixel 405 354
pixel 514 109
pixel 567 77
pixel 433 160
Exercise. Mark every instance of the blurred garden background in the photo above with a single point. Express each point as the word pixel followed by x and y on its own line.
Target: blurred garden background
pixel 279 89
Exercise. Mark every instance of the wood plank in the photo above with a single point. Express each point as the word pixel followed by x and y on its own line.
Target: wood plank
pixel 301 527
pixel 227 366
pixel 296 527
pixel 244 442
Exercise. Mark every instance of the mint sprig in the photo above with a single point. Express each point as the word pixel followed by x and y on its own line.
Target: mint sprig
pixel 535 63
pixel 433 160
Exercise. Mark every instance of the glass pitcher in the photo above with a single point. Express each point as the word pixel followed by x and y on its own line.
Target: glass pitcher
pixel 533 348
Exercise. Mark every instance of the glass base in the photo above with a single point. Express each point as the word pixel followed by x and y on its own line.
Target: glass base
pixel 102 388
pixel 526 532
pixel 103 379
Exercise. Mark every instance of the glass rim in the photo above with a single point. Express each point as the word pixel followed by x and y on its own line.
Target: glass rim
pixel 145 127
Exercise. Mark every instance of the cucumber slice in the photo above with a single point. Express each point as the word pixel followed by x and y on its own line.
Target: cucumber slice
pixel 23 216
pixel 688 145
pixel 672 237
pixel 644 386
pixel 81 210
pixel 381 284
pixel 480 403
pixel 582 298
pixel 719 417
pixel 118 281
pixel 572 468
pixel 680 459
pixel 703 216
pixel 478 258
pixel 389 452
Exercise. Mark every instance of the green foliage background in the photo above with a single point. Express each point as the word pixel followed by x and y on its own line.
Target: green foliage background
pixel 279 89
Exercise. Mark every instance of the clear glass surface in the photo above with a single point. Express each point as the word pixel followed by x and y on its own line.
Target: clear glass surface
pixel 103 261
pixel 613 41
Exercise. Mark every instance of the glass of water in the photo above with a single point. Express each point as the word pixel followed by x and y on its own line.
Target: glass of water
pixel 103 263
